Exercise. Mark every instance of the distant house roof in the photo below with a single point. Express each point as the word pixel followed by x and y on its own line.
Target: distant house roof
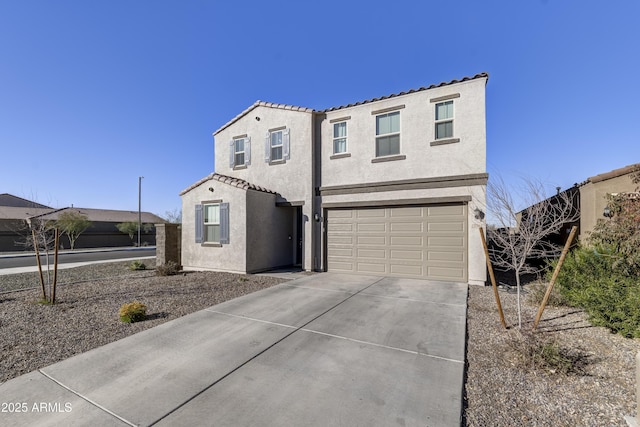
pixel 104 215
pixel 235 182
pixel 613 174
pixel 7 199
pixel 310 110
pixel 22 213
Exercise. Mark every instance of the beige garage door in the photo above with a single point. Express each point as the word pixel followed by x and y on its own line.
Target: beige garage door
pixel 428 242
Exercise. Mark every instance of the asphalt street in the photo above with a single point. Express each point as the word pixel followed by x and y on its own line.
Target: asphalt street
pixel 15 260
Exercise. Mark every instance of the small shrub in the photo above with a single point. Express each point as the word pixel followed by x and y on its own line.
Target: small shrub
pixel 132 312
pixel 538 290
pixel 171 268
pixel 137 265
pixel 534 351
pixel 590 279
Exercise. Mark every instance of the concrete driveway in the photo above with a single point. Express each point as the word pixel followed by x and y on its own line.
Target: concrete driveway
pixel 322 350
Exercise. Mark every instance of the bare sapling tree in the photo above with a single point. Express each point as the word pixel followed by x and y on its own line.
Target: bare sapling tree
pixel 41 239
pixel 520 240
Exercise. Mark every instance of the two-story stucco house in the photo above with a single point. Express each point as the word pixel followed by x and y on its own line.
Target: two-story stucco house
pixel 388 186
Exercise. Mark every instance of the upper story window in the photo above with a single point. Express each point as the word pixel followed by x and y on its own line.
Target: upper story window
pixel 240 151
pixel 340 138
pixel 444 120
pixel 211 223
pixel 277 145
pixel 388 134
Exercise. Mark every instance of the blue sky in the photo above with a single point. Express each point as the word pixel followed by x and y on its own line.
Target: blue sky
pixel 94 94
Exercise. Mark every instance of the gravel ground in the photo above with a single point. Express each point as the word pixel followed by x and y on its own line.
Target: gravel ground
pixel 502 387
pixel 85 315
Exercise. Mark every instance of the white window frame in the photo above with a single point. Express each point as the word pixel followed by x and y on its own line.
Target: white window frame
pixel 236 153
pixel 281 145
pixel 439 121
pixel 339 139
pixel 380 136
pixel 207 224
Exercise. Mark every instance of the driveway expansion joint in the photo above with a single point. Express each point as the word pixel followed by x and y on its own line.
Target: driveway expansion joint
pixel 86 399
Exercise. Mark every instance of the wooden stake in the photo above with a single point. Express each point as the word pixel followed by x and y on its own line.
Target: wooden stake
pixel 555 275
pixel 35 245
pixel 55 266
pixel 493 278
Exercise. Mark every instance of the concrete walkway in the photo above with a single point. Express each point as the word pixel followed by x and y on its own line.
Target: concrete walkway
pixel 322 350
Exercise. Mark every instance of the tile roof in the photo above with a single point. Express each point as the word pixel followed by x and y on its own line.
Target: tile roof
pixel 393 95
pixel 263 104
pixel 614 173
pixel 235 182
pixel 311 110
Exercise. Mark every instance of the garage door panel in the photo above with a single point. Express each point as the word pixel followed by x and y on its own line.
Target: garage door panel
pixel 406 255
pixel 399 227
pixel 445 256
pixel 341 252
pixel 445 227
pixel 407 270
pixel 456 242
pixel 371 253
pixel 364 267
pixel 368 227
pixel 406 241
pixel 428 242
pixel 342 239
pixel 416 212
pixel 371 240
pixel 371 213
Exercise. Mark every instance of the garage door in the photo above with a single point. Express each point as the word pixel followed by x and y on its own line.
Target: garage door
pixel 428 242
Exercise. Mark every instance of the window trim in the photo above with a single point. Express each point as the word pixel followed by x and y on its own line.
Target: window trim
pixel 236 152
pixel 445 120
pixel 388 112
pixel 286 148
pixel 205 224
pixel 345 138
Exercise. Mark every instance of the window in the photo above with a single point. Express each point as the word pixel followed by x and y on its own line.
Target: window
pixel 339 137
pixel 444 120
pixel 277 145
pixel 240 151
pixel 388 134
pixel 212 223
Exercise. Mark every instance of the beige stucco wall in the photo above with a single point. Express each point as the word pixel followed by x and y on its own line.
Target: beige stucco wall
pixel 417 131
pixel 593 199
pixel 229 257
pixel 293 179
pixel 270 233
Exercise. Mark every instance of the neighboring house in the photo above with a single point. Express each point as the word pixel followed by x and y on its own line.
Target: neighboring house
pixel 388 186
pixel 14 213
pixel 594 192
pixel 591 199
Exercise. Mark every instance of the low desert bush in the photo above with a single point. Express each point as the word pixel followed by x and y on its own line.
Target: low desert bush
pixel 132 312
pixel 137 265
pixel 171 268
pixel 537 351
pixel 591 279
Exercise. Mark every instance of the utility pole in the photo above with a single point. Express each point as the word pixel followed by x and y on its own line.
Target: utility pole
pixel 139 206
